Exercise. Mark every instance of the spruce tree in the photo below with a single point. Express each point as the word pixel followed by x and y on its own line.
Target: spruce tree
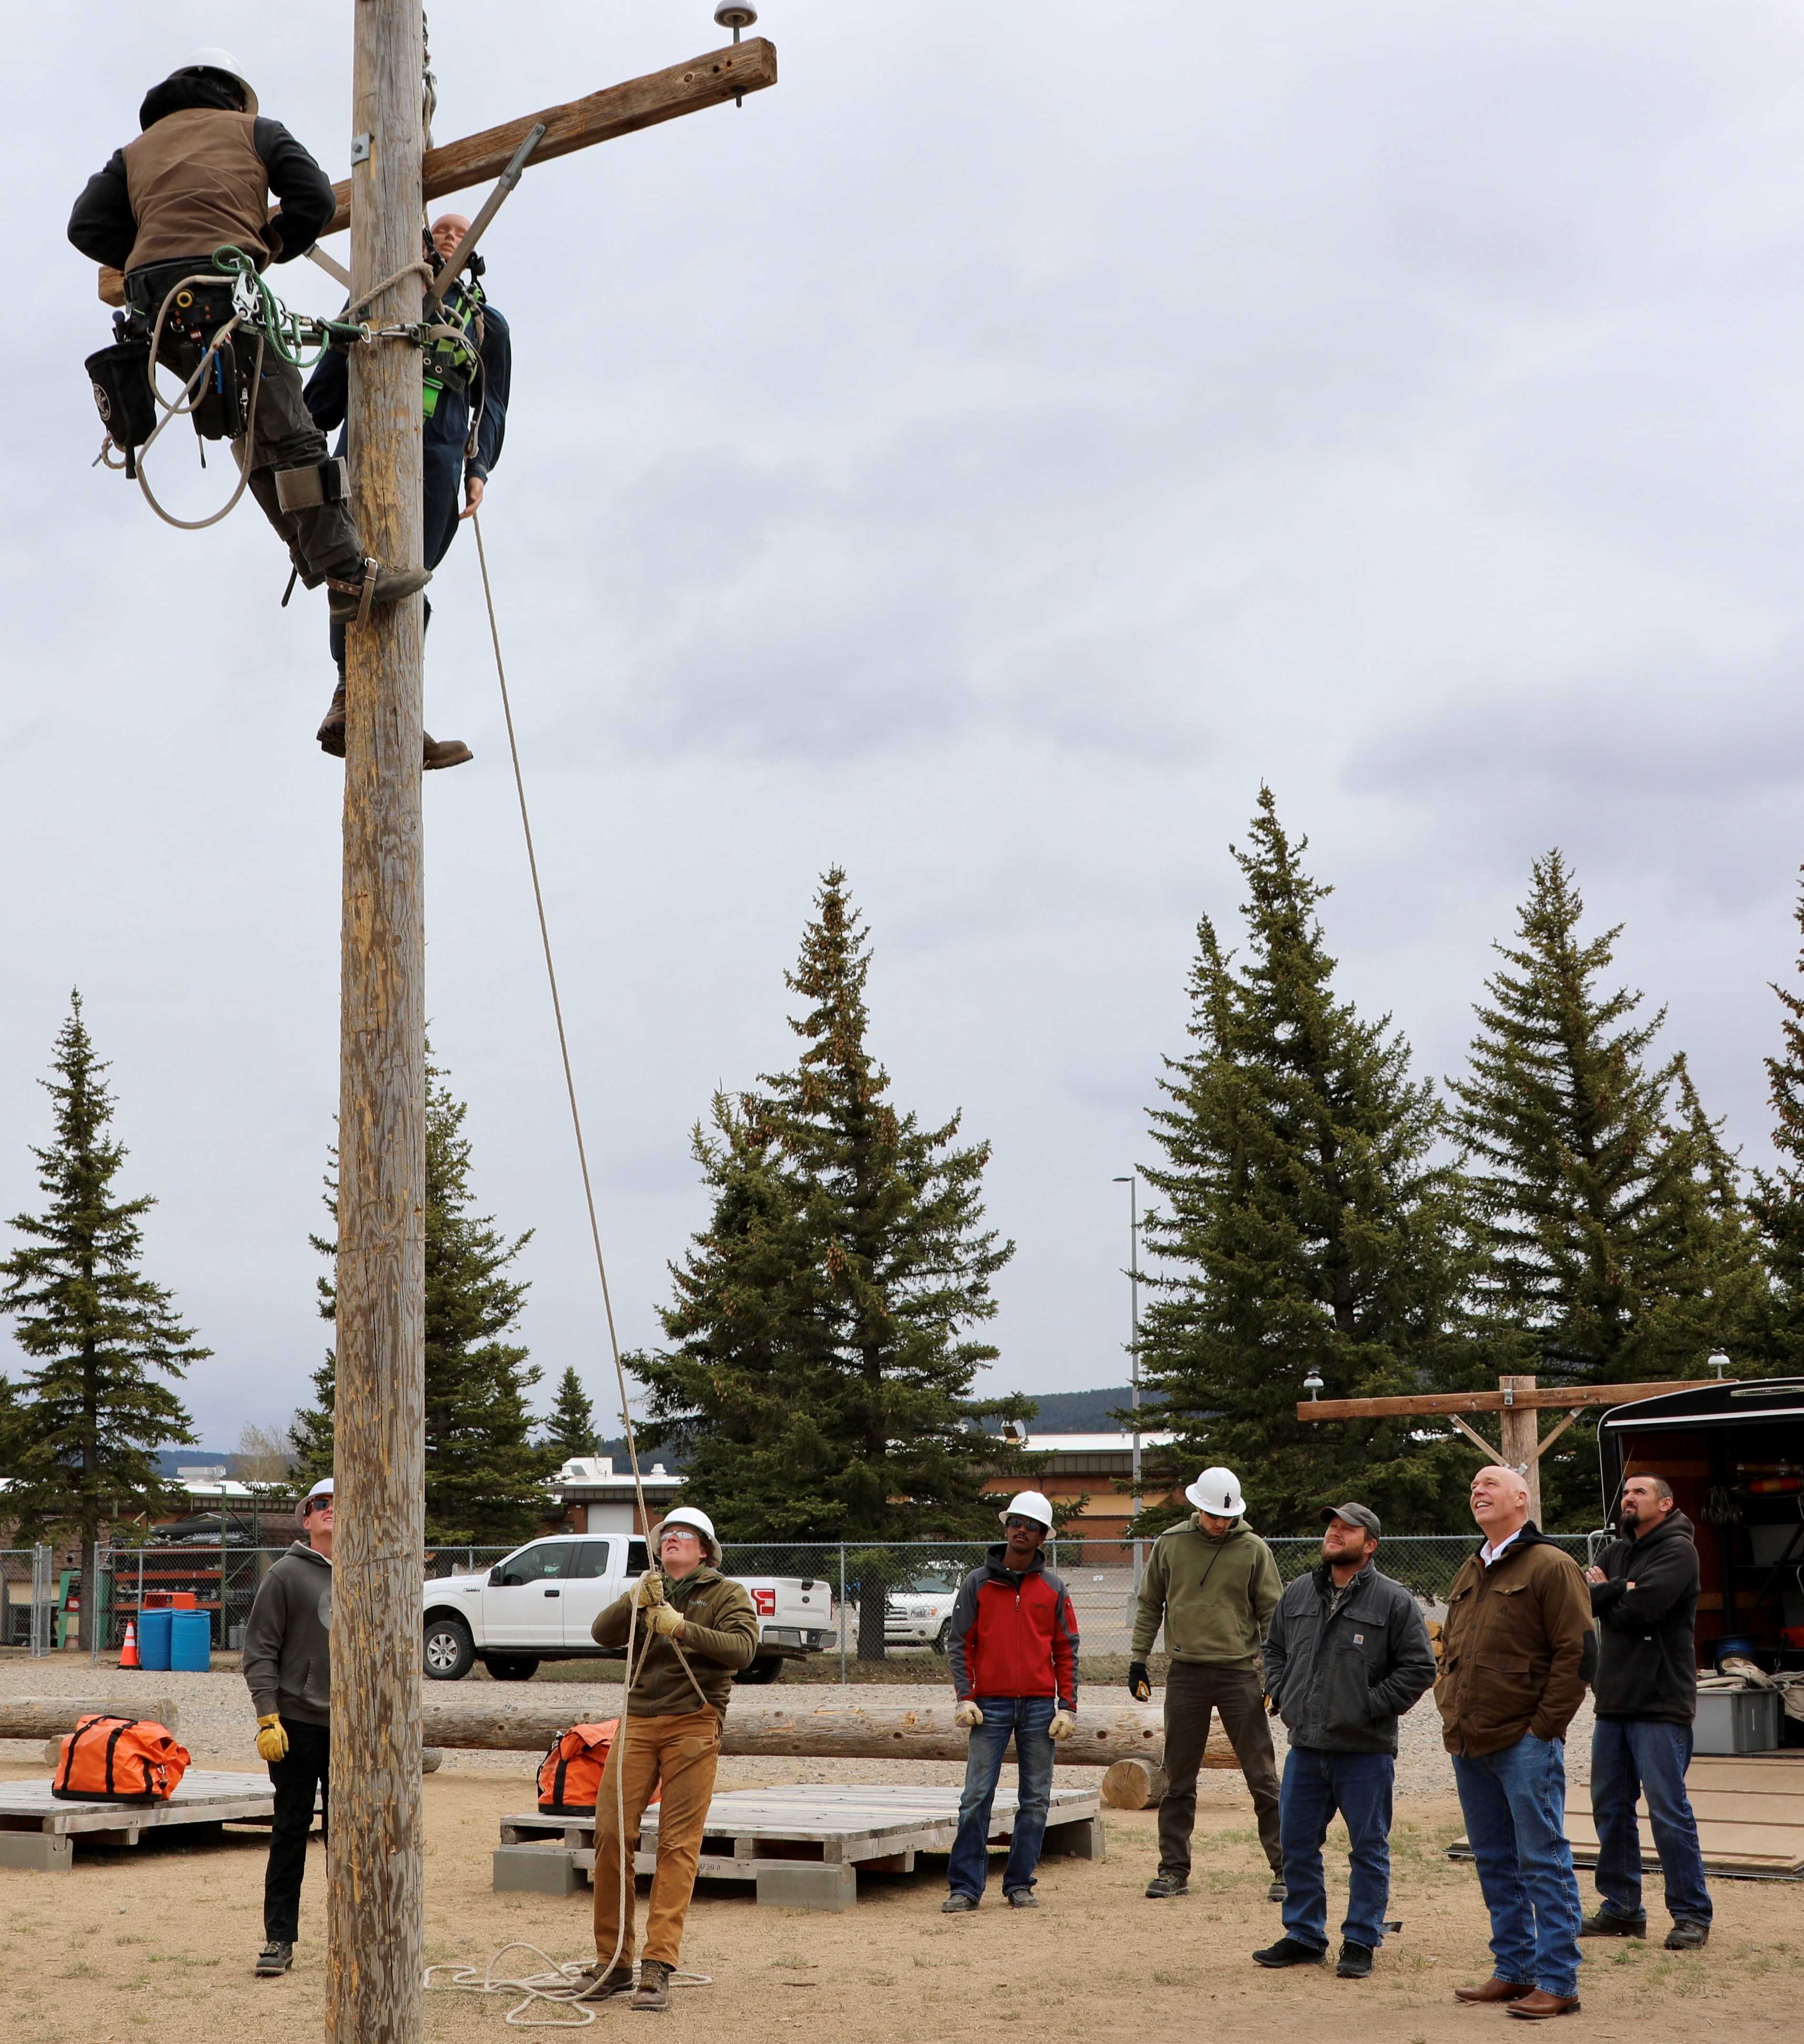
pixel 100 1336
pixel 1778 1199
pixel 1615 1245
pixel 823 1353
pixel 485 1476
pixel 1307 1226
pixel 570 1429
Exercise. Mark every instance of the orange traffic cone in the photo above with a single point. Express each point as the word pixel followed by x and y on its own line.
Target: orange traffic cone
pixel 128 1652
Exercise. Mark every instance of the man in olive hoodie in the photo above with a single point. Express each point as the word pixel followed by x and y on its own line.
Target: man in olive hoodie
pixel 1645 1593
pixel 695 1630
pixel 287 1666
pixel 1213 1585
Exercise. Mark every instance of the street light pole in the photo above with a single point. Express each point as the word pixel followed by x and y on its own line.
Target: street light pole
pixel 1133 1184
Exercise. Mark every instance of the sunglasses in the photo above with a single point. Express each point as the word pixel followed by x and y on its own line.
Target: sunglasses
pixel 1031 1525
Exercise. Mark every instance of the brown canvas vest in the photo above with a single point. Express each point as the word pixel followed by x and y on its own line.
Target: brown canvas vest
pixel 195 181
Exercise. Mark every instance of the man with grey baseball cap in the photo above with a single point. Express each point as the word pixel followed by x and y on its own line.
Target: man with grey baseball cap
pixel 1348 1653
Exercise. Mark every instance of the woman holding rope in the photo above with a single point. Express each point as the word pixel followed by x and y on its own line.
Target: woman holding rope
pixel 691 1632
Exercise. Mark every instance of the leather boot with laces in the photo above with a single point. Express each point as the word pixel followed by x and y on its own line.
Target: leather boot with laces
pixel 653 1990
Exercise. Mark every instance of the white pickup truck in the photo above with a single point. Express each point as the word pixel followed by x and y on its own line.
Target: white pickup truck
pixel 538 1604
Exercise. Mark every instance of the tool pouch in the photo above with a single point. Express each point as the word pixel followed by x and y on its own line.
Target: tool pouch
pixel 120 377
pixel 219 404
pixel 301 489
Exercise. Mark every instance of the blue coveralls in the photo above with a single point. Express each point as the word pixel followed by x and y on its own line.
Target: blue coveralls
pixel 444 465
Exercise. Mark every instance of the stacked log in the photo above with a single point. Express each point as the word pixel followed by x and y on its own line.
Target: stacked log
pixel 49 1717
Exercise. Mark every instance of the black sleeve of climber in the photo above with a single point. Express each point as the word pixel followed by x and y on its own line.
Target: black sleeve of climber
pixel 497 375
pixel 303 191
pixel 327 394
pixel 102 225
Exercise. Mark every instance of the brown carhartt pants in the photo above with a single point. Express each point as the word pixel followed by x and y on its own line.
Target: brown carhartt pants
pixel 682 1752
pixel 1191 1689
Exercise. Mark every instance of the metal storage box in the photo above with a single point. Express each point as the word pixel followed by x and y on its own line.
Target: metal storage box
pixel 1736 1721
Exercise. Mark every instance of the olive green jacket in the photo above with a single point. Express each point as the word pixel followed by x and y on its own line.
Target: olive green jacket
pixel 720 1636
pixel 1215 1597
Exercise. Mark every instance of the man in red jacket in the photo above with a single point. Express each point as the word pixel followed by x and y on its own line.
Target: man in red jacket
pixel 1013 1653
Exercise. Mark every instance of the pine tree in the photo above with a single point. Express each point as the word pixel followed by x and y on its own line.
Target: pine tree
pixel 1307 1227
pixel 100 1336
pixel 571 1431
pixel 1616 1246
pixel 822 1362
pixel 485 1477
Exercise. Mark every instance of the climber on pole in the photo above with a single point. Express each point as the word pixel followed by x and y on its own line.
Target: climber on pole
pixel 199 177
pixel 464 384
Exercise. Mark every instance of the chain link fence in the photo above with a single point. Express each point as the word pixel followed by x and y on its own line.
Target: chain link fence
pixel 889 1601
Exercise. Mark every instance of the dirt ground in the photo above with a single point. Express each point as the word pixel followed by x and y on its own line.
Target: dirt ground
pixel 153 1945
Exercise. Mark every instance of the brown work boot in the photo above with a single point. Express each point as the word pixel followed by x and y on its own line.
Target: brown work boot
pixel 653 1993
pixel 598 1982
pixel 443 752
pixel 354 597
pixel 331 732
pixel 1495 1990
pixel 1538 2007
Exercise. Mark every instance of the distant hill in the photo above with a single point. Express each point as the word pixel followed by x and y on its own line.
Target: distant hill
pixel 1077 1411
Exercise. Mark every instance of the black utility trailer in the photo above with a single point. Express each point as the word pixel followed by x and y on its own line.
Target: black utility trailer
pixel 1734 1455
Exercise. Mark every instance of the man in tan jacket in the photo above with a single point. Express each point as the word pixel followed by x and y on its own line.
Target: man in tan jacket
pixel 695 1630
pixel 1516 1645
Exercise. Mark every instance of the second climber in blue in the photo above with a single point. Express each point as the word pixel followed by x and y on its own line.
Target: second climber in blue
pixel 1012 1652
pixel 464 378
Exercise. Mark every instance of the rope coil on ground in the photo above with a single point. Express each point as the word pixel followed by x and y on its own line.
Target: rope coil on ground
pixel 558 1987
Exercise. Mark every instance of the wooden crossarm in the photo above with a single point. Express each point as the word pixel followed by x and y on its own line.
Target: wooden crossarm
pixel 1445 1404
pixel 618 109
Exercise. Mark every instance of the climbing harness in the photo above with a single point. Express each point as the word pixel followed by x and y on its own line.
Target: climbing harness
pixel 200 314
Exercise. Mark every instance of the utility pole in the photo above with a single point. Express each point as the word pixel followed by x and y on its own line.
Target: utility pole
pixel 375 1923
pixel 1133 1184
pixel 375 1940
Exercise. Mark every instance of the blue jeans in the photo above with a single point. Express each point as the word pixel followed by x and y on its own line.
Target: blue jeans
pixel 1316 1785
pixel 1026 1718
pixel 1514 1805
pixel 1632 1758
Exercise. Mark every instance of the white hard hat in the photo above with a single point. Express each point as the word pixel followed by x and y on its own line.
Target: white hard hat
pixel 322 1489
pixel 1217 1491
pixel 687 1515
pixel 221 61
pixel 1027 1504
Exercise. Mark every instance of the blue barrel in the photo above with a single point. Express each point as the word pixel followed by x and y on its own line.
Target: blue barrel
pixel 154 1631
pixel 190 1645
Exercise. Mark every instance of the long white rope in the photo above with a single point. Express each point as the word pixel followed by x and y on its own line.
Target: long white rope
pixel 619 1756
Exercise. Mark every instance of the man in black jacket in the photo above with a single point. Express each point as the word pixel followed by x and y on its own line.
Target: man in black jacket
pixel 1347 1654
pixel 1644 1594
pixel 198 176
pixel 287 1664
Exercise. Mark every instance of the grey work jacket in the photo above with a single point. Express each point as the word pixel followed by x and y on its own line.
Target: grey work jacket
pixel 1343 1666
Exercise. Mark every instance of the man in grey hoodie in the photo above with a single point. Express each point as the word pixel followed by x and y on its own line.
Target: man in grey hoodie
pixel 288 1667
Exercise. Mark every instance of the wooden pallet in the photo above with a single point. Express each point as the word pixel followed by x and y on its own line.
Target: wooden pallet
pixel 1750 1812
pixel 799 1841
pixel 37 1829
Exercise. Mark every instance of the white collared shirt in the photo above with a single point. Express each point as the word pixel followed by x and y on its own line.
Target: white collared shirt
pixel 1487 1554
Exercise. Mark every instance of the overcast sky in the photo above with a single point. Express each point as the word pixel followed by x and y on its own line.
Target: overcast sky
pixel 980 461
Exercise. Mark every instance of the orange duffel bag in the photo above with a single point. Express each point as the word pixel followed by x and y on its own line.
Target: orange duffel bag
pixel 119 1760
pixel 570 1775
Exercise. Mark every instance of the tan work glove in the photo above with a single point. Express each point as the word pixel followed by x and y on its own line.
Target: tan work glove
pixel 664 1618
pixel 966 1715
pixel 272 1741
pixel 651 1590
pixel 1064 1724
